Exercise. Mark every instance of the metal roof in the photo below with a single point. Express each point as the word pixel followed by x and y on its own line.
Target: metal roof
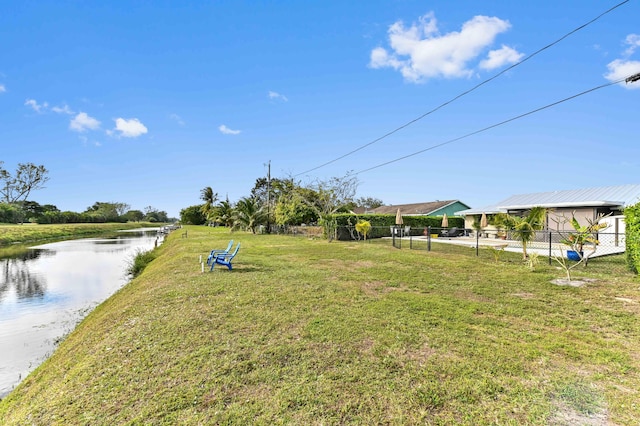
pixel 612 196
pixel 486 209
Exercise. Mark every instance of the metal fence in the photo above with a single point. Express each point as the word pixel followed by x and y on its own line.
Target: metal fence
pixel 545 243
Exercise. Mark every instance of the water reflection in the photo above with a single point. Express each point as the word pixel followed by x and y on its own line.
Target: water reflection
pixel 15 273
pixel 47 290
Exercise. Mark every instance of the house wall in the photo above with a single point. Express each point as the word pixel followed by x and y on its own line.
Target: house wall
pixel 450 210
pixel 614 234
pixel 488 230
pixel 558 218
pixel 468 222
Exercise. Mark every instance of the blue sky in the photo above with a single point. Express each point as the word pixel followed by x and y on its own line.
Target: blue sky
pixel 148 102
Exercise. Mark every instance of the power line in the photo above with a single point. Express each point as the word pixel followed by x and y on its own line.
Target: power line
pixel 465 92
pixel 495 125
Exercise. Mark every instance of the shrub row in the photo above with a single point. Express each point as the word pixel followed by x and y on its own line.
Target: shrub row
pixel 380 223
pixel 632 223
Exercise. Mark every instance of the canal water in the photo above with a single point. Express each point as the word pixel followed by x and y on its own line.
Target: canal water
pixel 46 291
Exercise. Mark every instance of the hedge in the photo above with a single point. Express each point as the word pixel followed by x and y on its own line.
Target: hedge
pixel 632 224
pixel 380 223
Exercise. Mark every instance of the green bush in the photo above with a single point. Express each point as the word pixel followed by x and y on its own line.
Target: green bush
pixel 9 213
pixel 632 221
pixel 140 261
pixel 380 224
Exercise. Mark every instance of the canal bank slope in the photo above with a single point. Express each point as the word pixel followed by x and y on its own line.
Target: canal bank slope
pixel 309 332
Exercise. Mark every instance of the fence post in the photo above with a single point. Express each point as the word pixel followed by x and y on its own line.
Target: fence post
pixel 429 238
pixel 550 238
pixel 477 243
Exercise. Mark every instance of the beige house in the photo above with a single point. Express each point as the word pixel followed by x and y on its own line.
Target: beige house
pixel 586 204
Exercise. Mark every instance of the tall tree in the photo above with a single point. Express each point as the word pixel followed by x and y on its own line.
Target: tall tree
pixel 334 194
pixel 276 188
pixel 249 214
pixel 269 193
pixel 192 215
pixel 296 208
pixel 368 202
pixel 134 215
pixel 28 177
pixel 152 214
pixel 223 213
pixel 105 212
pixel 209 197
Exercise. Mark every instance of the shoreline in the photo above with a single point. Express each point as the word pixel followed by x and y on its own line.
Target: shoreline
pixel 32 233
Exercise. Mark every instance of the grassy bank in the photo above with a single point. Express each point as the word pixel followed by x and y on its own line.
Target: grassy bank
pixel 309 332
pixel 29 232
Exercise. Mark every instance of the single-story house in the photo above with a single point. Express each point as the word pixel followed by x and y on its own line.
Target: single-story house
pixel 432 208
pixel 586 204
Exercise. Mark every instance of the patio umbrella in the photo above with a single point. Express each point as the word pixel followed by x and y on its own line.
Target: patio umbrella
pixel 445 221
pixel 483 221
pixel 398 218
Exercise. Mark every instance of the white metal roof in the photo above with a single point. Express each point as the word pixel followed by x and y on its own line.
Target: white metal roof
pixel 613 196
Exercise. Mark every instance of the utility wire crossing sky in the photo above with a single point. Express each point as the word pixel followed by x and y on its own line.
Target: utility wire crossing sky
pixel 149 104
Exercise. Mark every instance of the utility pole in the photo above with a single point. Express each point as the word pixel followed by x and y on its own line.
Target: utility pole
pixel 268 196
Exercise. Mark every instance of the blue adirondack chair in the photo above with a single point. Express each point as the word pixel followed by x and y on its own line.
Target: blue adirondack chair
pixel 216 252
pixel 224 258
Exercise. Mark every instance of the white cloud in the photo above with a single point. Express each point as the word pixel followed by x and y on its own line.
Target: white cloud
pixel 177 119
pixel 633 40
pixel 621 69
pixel 36 106
pixel 498 58
pixel 276 95
pixel 83 122
pixel 420 52
pixel 227 131
pixel 64 109
pixel 131 128
pixel 2 88
pixel 85 141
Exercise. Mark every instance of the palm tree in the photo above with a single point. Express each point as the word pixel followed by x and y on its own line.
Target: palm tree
pixel 223 213
pixel 248 214
pixel 209 197
pixel 524 228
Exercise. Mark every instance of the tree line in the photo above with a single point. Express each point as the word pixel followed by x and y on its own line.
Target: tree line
pixel 15 189
pixel 99 212
pixel 280 202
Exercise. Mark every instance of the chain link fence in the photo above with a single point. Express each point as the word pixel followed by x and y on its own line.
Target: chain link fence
pixel 491 245
pixel 545 243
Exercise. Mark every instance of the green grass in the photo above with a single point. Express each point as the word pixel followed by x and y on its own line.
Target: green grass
pixel 309 332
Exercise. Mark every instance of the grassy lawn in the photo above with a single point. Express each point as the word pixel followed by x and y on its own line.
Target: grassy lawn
pixel 309 332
